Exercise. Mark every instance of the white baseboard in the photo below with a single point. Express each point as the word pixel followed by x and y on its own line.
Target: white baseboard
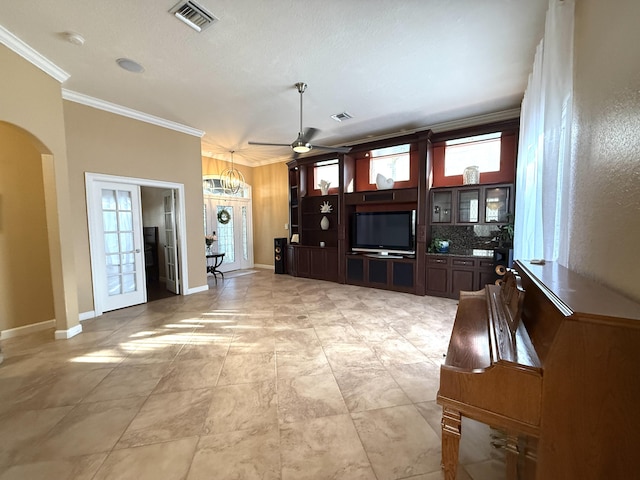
pixel 26 329
pixel 87 315
pixel 66 334
pixel 202 288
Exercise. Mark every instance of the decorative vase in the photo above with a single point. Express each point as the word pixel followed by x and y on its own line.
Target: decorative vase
pixel 324 223
pixel 471 175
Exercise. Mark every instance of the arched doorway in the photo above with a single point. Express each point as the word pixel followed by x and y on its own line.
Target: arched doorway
pixel 32 283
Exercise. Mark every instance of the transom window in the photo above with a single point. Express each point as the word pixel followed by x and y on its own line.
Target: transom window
pixel 328 171
pixel 391 162
pixel 212 185
pixel 481 150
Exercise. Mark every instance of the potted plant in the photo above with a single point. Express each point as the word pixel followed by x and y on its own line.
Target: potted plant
pixel 439 246
pixel 505 233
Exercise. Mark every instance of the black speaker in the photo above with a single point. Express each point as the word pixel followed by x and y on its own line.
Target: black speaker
pixel 502 259
pixel 280 255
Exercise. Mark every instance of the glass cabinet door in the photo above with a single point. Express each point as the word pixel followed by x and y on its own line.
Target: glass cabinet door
pixel 468 206
pixel 496 201
pixel 441 207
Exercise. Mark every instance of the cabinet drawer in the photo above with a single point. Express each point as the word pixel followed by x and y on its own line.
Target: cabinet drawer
pixel 443 261
pixel 486 264
pixel 463 262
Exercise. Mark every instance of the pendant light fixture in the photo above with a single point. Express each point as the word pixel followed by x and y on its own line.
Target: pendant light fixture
pixel 231 179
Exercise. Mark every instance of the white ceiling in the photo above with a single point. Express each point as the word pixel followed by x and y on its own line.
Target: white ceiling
pixel 396 66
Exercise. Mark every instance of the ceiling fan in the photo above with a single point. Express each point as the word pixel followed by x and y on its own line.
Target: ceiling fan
pixel 302 144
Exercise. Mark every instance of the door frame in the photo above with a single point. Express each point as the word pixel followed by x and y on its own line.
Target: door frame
pixel 90 181
pixel 240 202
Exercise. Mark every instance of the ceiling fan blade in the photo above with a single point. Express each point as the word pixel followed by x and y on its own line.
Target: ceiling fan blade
pixel 303 143
pixel 333 149
pixel 309 133
pixel 269 144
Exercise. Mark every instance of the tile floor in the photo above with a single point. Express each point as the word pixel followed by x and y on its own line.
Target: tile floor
pixel 262 377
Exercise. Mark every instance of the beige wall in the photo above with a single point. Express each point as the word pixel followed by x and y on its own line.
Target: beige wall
pixel 270 209
pixel 214 166
pixel 26 293
pixel 605 226
pixel 31 100
pixel 102 142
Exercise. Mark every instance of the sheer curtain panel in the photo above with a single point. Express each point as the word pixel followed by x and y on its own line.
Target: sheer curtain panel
pixel 543 175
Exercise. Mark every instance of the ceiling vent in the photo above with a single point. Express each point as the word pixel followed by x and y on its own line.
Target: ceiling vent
pixel 193 15
pixel 339 117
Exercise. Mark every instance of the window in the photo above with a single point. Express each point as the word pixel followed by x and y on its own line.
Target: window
pixel 481 150
pixel 211 185
pixel 390 162
pixel 328 171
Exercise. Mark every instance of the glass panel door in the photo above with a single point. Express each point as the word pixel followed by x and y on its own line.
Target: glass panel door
pixel 230 219
pixel 441 207
pixel 226 240
pixel 468 206
pixel 170 242
pixel 496 204
pixel 123 276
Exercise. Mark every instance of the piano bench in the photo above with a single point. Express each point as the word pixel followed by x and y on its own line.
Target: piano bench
pixel 491 373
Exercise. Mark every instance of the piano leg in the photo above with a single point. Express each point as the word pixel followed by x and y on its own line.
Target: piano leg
pixel 530 458
pixel 451 431
pixel 511 449
pixel 521 457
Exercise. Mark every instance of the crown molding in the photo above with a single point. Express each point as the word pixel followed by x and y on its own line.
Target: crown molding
pixel 475 121
pixel 13 43
pixel 128 112
pixel 450 125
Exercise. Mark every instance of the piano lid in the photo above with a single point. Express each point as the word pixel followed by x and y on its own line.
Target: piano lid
pixel 578 296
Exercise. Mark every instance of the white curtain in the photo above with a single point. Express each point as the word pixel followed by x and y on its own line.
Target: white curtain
pixel 543 174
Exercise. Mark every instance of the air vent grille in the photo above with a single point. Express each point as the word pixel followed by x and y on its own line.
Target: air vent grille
pixel 193 15
pixel 339 117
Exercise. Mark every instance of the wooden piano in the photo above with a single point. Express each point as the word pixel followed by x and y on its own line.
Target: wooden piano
pixel 553 360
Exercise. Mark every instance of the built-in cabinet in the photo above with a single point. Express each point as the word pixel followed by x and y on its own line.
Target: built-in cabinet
pixel 294 198
pixel 316 262
pixel 319 228
pixel 447 275
pixel 472 204
pixel 484 206
pixel 388 273
pixel 319 244
pixel 314 220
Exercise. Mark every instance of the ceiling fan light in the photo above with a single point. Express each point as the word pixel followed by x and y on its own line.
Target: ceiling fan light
pixel 301 147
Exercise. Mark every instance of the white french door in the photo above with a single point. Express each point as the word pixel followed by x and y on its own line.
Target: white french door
pixel 231 219
pixel 118 242
pixel 170 243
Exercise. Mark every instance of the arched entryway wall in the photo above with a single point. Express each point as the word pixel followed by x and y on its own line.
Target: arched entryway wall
pixel 31 101
pixel 32 271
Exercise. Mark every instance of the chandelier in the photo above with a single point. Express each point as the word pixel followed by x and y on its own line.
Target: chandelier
pixel 231 179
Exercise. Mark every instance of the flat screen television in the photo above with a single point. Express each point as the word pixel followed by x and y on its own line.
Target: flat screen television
pixel 384 232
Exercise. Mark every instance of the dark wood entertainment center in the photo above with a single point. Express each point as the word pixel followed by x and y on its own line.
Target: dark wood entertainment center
pixel 324 252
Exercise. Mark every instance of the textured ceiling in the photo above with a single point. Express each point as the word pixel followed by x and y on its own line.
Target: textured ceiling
pixel 395 66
